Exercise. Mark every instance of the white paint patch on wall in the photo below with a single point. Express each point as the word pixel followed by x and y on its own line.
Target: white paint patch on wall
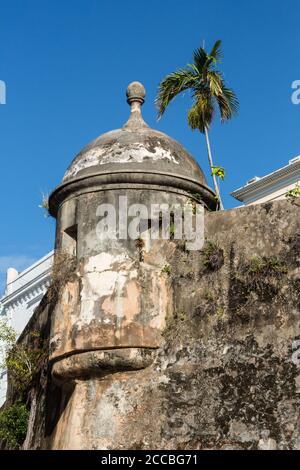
pixel 96 286
pixel 136 153
pixel 104 274
pixel 104 261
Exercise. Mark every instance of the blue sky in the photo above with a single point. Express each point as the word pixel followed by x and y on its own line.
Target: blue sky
pixel 66 65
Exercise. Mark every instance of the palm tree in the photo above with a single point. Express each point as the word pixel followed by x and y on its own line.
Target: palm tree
pixel 209 93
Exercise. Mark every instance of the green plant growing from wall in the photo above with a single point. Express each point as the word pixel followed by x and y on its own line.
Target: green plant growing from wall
pixel 166 269
pixel 8 336
pixel 13 424
pixel 256 264
pixel 20 361
pixel 23 363
pixel 213 256
pixel 209 93
pixel 266 266
pixel 220 312
pixel 209 294
pixel 45 204
pixel 293 194
pixel 63 269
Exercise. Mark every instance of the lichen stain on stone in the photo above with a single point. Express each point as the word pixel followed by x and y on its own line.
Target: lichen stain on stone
pixel 263 379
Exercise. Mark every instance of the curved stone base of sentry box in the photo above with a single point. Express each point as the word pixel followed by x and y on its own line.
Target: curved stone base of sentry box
pixel 99 363
pixel 89 417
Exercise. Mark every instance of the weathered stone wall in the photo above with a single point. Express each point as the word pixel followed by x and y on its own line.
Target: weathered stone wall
pixel 232 357
pixel 227 374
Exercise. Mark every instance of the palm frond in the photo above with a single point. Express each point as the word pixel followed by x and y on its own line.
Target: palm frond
pixel 172 85
pixel 193 68
pixel 225 99
pixel 214 82
pixel 227 102
pixel 216 53
pixel 200 59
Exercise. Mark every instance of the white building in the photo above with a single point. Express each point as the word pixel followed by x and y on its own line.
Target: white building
pixel 23 294
pixel 271 187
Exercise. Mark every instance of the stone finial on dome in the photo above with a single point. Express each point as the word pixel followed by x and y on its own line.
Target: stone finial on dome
pixel 135 92
pixel 135 98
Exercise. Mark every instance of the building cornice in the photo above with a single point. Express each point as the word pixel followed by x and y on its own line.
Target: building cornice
pixel 28 290
pixel 267 182
pixel 33 267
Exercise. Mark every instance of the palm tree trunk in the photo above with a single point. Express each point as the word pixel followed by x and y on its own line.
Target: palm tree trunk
pixel 217 190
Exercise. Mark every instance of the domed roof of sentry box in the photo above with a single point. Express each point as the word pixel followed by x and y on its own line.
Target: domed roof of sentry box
pixel 138 154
